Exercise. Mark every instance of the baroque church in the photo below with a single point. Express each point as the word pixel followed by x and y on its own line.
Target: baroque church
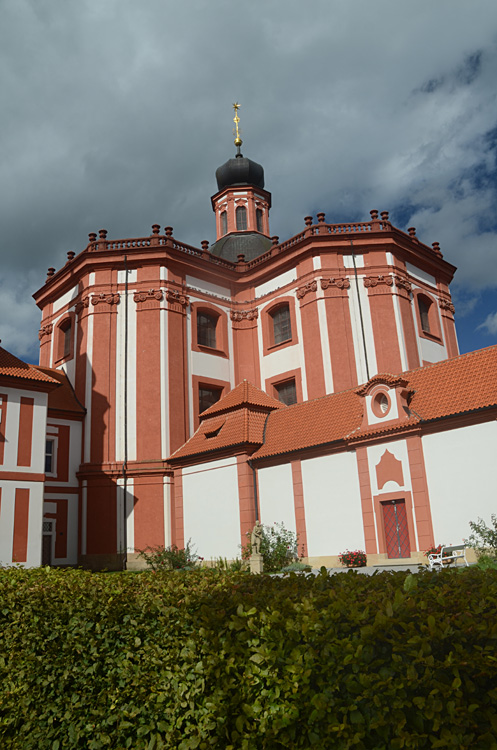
pixel 183 393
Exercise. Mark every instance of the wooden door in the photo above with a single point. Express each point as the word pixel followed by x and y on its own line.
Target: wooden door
pixel 396 529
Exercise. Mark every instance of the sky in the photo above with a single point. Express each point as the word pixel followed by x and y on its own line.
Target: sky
pixel 116 113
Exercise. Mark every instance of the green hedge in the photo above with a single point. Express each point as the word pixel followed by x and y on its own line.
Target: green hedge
pixel 214 660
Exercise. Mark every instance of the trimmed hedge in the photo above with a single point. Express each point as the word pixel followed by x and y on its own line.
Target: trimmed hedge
pixel 214 660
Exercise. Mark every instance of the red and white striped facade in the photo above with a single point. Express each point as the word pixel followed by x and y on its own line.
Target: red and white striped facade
pixel 130 310
pixel 120 327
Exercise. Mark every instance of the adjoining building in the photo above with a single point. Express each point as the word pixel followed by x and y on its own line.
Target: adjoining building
pixel 314 381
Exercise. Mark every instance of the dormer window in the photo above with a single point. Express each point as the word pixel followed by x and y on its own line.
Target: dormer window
pixel 241 218
pixel 224 222
pixel 381 405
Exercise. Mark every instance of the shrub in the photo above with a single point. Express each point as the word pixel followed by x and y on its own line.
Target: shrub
pixel 278 547
pixel 205 659
pixel 232 566
pixel 484 538
pixel 171 558
pixel 355 559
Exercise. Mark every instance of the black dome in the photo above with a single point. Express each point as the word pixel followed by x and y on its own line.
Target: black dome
pixel 239 171
pixel 251 244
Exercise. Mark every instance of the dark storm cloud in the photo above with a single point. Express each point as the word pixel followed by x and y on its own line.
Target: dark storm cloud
pixel 116 114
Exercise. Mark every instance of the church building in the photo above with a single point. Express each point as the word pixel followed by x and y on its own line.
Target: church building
pixel 184 392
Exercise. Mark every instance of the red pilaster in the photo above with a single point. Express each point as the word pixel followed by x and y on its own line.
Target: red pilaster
pixel 21 517
pixel 246 497
pixel 298 499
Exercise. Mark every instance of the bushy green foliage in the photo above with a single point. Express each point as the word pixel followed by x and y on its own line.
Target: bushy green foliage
pixel 233 566
pixel 205 659
pixel 278 547
pixel 484 538
pixel 171 558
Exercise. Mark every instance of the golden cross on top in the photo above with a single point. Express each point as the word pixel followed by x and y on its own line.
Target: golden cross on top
pixel 236 120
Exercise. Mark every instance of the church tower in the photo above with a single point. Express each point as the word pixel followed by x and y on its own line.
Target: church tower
pixel 241 206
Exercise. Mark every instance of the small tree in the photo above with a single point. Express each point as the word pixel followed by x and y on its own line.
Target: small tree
pixel 278 547
pixel 483 538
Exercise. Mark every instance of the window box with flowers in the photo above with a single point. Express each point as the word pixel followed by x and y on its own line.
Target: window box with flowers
pixel 355 559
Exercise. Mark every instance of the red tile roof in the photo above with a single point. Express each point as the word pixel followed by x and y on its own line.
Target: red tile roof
pixel 13 367
pixel 63 398
pixel 244 394
pixel 454 386
pixel 236 419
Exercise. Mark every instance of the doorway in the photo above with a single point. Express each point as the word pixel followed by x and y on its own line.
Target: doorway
pixel 396 528
pixel 46 546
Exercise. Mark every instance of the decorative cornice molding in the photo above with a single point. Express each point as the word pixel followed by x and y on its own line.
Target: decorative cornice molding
pixel 82 304
pixel 45 330
pixel 444 304
pixel 311 286
pixel 239 315
pixel 338 283
pixel 380 280
pixel 177 298
pixel 109 298
pixel 402 283
pixel 149 295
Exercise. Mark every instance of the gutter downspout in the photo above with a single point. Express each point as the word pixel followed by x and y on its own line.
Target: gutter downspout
pixel 125 461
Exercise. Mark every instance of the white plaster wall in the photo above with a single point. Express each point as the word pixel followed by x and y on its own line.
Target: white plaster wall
pixel 276 501
pixel 120 369
pixel 461 470
pixel 355 317
pixel 332 500
pixel 431 351
pixel 400 331
pixel 130 514
pixel 210 366
pixel 325 343
pixel 65 299
pixel 164 380
pixel 13 408
pixel 276 283
pixel 348 261
pixel 418 273
pixel 211 509
pixel 207 286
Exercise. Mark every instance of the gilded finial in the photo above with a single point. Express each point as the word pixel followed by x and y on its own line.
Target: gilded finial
pixel 236 131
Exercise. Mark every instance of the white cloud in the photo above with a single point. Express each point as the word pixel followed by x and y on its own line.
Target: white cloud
pixel 117 114
pixel 490 324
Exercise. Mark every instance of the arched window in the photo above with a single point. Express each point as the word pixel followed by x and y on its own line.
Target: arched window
pixel 64 340
pixel 282 326
pixel 424 305
pixel 206 329
pixel 258 219
pixel 241 218
pixel 224 222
